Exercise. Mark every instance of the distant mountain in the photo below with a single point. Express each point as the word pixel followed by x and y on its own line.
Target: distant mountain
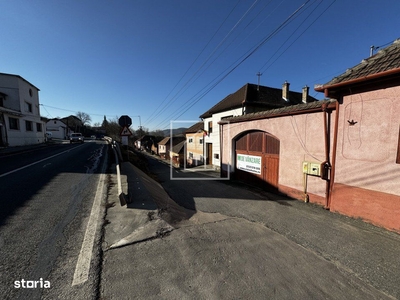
pixel 175 131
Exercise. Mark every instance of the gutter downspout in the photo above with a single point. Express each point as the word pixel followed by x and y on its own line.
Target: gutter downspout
pixel 334 149
pixel 326 164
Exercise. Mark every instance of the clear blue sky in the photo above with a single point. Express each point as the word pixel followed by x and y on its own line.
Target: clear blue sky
pixel 173 60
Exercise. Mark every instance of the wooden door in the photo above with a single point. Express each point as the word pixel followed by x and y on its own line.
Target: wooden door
pixel 259 144
pixel 209 154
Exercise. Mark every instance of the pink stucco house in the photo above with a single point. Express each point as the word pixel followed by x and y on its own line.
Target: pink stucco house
pixel 342 152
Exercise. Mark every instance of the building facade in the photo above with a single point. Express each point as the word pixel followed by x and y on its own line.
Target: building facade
pixel 20 122
pixel 248 99
pixel 58 129
pixel 195 146
pixel 342 152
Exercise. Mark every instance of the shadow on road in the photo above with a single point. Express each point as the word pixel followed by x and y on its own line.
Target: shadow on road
pixel 24 185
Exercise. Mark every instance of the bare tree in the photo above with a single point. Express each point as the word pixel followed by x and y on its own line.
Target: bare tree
pixel 112 128
pixel 84 117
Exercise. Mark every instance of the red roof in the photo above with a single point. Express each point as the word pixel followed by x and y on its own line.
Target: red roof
pixel 385 63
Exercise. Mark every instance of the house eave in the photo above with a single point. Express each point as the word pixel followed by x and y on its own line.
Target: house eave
pixel 329 89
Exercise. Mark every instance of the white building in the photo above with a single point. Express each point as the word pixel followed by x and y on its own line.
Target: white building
pixel 20 122
pixel 250 98
pixel 57 128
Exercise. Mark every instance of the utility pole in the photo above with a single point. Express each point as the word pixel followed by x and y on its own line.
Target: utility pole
pixel 140 126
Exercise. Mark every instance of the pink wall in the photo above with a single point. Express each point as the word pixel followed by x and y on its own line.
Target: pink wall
pixel 367 182
pixel 301 139
pixel 366 152
pixel 367 177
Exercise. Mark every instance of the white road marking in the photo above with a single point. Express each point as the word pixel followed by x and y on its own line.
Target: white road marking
pixel 39 161
pixel 82 268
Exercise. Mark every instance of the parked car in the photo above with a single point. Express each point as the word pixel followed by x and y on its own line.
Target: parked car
pixel 48 136
pixel 76 138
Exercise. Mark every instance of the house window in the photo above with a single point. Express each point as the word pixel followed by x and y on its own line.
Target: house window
pixel 398 149
pixel 190 154
pixel 201 141
pixel 210 127
pixel 14 123
pixel 38 127
pixel 28 126
pixel 28 107
pixel 190 140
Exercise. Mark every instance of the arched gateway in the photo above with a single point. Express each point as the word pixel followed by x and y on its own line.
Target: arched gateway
pixel 257 159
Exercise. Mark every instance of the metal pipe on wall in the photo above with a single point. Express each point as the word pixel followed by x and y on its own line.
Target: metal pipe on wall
pixel 334 149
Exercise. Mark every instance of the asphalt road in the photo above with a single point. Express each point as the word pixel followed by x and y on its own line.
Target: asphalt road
pixel 46 204
pixel 235 242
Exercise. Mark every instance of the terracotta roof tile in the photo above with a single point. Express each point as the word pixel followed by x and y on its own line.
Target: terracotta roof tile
pixel 195 128
pixel 384 60
pixel 288 110
pixel 178 147
pixel 164 141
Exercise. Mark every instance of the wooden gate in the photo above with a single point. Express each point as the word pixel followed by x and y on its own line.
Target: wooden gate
pixel 250 147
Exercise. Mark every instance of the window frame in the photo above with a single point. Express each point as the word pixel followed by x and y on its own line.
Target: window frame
pixel 28 107
pixel 10 124
pixel 28 126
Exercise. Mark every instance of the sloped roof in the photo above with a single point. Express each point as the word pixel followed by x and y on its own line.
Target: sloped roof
pixel 384 62
pixel 175 140
pixel 195 128
pixel 18 76
pixel 164 141
pixel 284 111
pixel 249 95
pixel 178 147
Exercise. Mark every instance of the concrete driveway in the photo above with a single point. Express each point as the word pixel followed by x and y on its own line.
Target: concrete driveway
pixel 191 239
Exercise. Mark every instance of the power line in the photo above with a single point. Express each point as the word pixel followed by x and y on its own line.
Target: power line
pixel 308 27
pixel 74 111
pixel 198 56
pixel 250 53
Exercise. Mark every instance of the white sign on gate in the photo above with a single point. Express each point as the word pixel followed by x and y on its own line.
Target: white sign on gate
pixel 248 163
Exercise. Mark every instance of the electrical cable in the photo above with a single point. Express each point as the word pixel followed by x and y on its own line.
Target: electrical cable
pixel 250 53
pixel 308 27
pixel 74 111
pixel 198 56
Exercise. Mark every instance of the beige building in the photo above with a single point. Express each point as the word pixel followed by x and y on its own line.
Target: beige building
pixel 195 145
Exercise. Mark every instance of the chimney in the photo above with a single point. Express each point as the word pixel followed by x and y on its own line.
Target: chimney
pixel 304 97
pixel 285 91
